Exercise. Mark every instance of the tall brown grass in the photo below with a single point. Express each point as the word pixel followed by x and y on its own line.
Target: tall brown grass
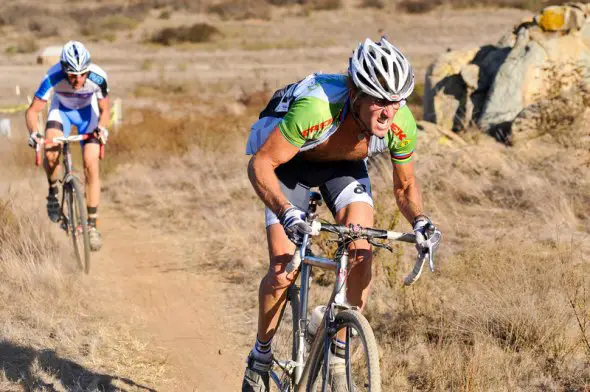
pixel 55 334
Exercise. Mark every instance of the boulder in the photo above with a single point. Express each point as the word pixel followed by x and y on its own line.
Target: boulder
pixel 457 83
pixel 529 70
pixel 491 85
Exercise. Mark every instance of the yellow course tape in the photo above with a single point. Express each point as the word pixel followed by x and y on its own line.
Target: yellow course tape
pixel 14 109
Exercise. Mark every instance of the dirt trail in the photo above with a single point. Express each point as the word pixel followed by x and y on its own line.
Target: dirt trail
pixel 185 312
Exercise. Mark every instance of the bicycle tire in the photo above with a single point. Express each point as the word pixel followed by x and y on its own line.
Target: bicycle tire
pixel 78 222
pixel 372 379
pixel 286 343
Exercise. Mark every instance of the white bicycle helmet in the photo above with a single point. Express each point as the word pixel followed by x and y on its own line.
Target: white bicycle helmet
pixel 75 58
pixel 381 70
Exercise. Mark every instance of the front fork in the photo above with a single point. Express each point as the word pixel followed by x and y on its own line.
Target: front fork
pixel 339 302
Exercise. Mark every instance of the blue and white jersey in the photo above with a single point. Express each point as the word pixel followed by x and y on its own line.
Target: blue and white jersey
pixel 56 80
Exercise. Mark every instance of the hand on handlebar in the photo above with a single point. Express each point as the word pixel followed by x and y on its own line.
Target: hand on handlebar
pixel 293 221
pixel 102 134
pixel 34 139
pixel 427 235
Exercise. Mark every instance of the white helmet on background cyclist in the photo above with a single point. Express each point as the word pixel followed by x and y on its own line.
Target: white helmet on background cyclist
pixel 381 70
pixel 75 58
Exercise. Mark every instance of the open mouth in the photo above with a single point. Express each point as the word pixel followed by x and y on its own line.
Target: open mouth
pixel 382 124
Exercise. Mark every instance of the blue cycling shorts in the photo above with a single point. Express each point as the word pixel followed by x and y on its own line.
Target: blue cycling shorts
pixel 84 119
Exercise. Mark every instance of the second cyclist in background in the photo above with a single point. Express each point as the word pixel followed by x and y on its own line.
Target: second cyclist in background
pixel 80 98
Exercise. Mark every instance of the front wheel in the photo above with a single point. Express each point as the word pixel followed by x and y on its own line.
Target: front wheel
pixel 359 369
pixel 285 344
pixel 78 222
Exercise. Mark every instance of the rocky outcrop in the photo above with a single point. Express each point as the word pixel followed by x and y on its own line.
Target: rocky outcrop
pixel 491 85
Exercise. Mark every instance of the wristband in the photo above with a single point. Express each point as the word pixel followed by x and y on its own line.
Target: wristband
pixel 420 217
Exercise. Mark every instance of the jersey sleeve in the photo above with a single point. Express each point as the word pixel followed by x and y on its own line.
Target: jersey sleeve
pixel 307 119
pixel 50 80
pixel 99 78
pixel 402 136
pixel 102 90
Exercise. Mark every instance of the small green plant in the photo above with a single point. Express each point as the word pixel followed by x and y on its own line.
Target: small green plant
pixel 25 44
pixel 146 65
pixel 164 15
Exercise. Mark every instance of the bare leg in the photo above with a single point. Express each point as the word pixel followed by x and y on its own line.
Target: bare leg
pixel 52 152
pixel 91 169
pixel 273 287
pixel 361 257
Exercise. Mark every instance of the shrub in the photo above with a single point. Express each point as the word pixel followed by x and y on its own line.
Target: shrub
pixel 423 6
pixel 418 6
pixel 323 5
pixel 558 113
pixel 241 10
pixel 378 4
pixel 285 2
pixel 25 44
pixel 199 32
pixel 119 22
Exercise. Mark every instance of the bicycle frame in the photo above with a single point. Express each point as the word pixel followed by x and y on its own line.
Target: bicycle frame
pixel 304 261
pixel 338 297
pixel 66 157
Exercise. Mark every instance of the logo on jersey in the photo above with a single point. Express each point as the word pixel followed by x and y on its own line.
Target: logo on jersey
pixel 360 188
pixel 318 127
pixel 96 78
pixel 397 131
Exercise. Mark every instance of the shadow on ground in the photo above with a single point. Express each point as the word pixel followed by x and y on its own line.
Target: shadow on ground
pixel 26 366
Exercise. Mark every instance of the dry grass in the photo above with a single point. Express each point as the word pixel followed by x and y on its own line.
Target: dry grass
pixel 241 10
pixel 199 32
pixel 54 335
pixel 560 113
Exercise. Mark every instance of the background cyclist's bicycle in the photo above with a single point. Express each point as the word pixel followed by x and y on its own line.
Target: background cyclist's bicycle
pixel 73 217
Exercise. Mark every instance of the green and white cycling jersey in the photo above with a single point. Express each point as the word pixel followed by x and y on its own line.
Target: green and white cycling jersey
pixel 310 111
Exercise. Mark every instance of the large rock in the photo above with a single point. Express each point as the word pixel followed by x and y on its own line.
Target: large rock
pixel 456 85
pixel 530 69
pixel 491 85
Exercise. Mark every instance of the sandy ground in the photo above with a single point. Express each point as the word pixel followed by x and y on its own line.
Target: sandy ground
pixel 186 315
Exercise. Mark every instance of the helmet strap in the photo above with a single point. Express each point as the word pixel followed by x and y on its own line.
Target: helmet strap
pixel 353 107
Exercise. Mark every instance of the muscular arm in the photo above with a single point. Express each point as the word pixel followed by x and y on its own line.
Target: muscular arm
pixel 406 190
pixel 104 107
pixel 32 114
pixel 261 170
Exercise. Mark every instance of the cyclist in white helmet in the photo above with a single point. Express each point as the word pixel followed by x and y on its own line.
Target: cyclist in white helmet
pixel 318 132
pixel 80 98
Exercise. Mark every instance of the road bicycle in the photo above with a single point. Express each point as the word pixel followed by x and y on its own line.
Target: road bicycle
pixel 73 217
pixel 301 360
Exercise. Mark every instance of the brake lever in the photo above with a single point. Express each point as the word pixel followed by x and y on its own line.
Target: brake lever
pixel 432 244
